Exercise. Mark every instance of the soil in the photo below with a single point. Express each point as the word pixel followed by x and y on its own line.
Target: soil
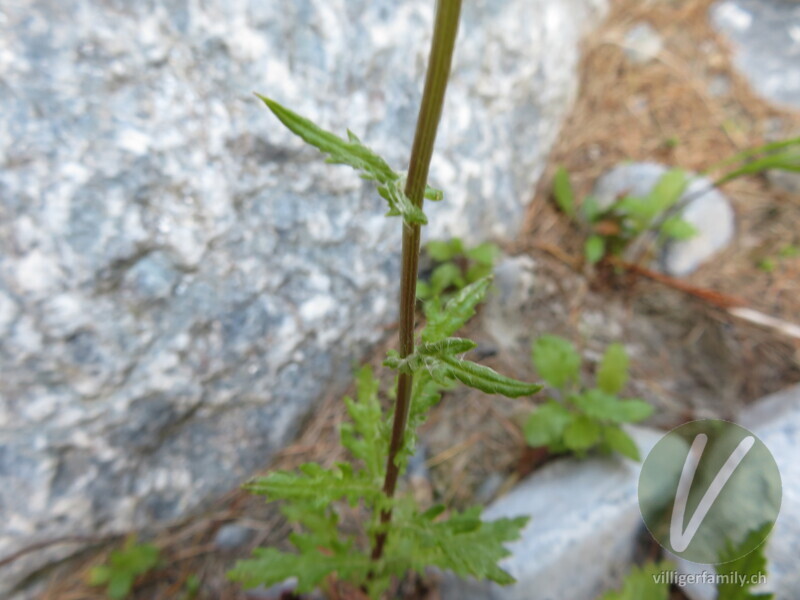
pixel 690 357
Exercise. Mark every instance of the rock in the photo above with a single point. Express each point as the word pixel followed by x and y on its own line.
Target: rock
pixel 514 286
pixel 642 43
pixel 181 278
pixel 584 520
pixel 776 421
pixel 706 208
pixel 765 35
pixel 232 536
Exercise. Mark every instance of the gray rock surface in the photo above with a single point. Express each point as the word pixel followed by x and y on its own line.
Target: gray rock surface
pixel 179 277
pixel 705 207
pixel 776 421
pixel 765 36
pixel 581 537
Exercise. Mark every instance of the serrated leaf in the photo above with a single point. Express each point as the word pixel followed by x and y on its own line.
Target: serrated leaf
pixel 619 441
pixel 269 566
pixel 562 192
pixel 315 485
pixel 676 228
pixel 353 153
pixel 486 380
pixel 743 569
pixel 594 249
pixel 545 426
pixel 457 311
pixel 462 543
pixel 644 583
pixel 364 437
pixel 612 375
pixel 556 361
pixel 582 433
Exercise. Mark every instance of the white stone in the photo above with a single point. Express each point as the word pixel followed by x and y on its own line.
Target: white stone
pixel 579 542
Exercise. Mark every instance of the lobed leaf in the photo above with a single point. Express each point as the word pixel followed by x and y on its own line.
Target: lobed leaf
pixel 462 543
pixel 269 566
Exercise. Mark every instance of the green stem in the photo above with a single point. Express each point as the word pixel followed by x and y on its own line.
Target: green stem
pixel 439 62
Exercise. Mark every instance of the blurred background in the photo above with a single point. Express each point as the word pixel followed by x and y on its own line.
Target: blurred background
pixel 185 288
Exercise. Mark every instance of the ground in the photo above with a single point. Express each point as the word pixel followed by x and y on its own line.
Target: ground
pixel 686 108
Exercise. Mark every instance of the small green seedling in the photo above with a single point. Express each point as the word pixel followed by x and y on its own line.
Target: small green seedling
pixel 456 267
pixel 583 419
pixel 649 582
pixel 123 567
pixel 612 229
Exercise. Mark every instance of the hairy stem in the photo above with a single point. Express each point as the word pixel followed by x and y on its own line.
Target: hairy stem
pixel 439 61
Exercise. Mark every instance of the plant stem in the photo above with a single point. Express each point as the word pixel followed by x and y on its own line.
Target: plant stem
pixel 439 62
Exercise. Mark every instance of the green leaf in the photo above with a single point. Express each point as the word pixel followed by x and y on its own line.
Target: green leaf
pixel 590 209
pixel 439 361
pixel 445 276
pixel 562 191
pixel 443 251
pixel 123 567
pixel 607 407
pixel 99 575
pixel 582 433
pixel 119 585
pixel 556 361
pixel 545 426
pixel 457 311
pixel 462 543
pixel 748 568
pixel 669 189
pixel 316 486
pixel 269 566
pixel 484 254
pixel 353 153
pixel 612 375
pixel 365 436
pixel 423 290
pixel 676 228
pixel 644 583
pixel 486 380
pixel 619 441
pixel 594 249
